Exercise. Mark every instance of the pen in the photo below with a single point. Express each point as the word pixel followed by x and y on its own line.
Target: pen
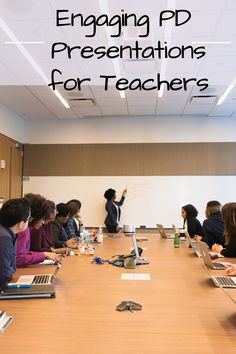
pixel 6 323
pixel 18 286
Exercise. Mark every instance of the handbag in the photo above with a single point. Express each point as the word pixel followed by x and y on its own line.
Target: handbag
pixel 126 261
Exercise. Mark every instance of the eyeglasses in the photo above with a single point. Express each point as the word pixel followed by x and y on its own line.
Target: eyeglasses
pixel 28 219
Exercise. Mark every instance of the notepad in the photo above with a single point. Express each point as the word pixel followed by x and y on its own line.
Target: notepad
pixel 135 276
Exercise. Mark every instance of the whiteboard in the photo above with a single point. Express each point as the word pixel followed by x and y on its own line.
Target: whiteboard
pixel 150 199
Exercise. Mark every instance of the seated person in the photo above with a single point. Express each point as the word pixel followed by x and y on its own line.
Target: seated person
pixel 74 225
pixel 39 211
pixel 42 239
pixel 14 217
pixel 229 218
pixel 59 233
pixel 71 227
pixel 191 224
pixel 213 226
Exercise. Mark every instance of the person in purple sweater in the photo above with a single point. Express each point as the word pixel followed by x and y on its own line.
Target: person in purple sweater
pixel 39 213
pixel 42 239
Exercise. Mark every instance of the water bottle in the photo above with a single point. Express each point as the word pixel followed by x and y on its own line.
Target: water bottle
pixel 81 233
pixel 100 235
pixel 176 240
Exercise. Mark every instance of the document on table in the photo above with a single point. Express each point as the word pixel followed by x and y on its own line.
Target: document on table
pixel 135 276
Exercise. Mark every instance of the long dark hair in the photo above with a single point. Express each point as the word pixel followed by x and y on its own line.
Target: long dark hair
pixel 190 210
pixel 229 216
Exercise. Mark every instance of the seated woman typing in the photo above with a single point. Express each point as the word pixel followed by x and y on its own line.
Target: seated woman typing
pixel 39 211
pixel 229 217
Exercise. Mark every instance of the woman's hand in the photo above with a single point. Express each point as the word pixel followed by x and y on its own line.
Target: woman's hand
pixel 230 269
pixel 217 248
pixel 197 238
pixel 124 192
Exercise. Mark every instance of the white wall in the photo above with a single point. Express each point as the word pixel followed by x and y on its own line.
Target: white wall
pixel 150 200
pixel 131 130
pixel 11 125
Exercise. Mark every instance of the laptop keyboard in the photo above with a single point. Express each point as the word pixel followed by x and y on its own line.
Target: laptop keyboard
pixel 41 279
pixel 226 282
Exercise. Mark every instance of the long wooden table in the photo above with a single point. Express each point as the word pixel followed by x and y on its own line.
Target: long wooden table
pixel 182 312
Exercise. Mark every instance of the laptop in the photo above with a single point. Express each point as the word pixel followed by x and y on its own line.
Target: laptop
pixel 38 279
pixel 224 281
pixel 163 233
pixel 139 260
pixel 206 257
pixel 193 244
pixel 35 291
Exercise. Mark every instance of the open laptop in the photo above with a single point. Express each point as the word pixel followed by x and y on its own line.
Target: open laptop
pixel 139 260
pixel 163 233
pixel 224 281
pixel 193 244
pixel 38 279
pixel 206 257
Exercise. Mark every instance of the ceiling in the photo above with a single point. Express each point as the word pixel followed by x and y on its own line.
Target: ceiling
pixel 24 90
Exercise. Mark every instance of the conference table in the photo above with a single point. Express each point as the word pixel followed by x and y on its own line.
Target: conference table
pixel 182 311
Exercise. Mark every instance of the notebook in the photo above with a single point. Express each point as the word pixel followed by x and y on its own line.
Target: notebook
pixel 36 291
pixel 163 233
pixel 207 258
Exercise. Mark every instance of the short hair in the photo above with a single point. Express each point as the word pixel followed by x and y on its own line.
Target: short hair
pixel 39 209
pixel 74 206
pixel 213 203
pixel 14 211
pixel 50 208
pixel 63 210
pixel 190 210
pixel 212 207
pixel 109 194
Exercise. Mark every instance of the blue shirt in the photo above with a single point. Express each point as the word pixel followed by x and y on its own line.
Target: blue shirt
pixel 7 254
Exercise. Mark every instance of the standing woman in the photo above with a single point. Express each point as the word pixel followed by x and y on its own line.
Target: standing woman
pixel 191 223
pixel 229 216
pixel 113 209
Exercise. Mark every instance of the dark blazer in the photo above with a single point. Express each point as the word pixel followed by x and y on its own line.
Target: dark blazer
pixel 214 229
pixel 111 218
pixel 194 227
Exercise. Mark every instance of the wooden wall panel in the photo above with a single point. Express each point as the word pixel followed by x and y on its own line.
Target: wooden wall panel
pixel 164 159
pixel 11 175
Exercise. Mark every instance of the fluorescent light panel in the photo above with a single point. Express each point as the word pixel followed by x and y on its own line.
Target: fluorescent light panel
pixel 206 42
pixel 24 42
pixel 225 94
pixel 30 59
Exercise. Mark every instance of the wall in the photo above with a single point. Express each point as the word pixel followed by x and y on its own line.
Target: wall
pixel 11 125
pixel 150 199
pixel 131 130
pixel 11 174
pixel 160 177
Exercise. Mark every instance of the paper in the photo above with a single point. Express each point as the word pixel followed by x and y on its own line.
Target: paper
pixel 135 276
pixel 47 261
